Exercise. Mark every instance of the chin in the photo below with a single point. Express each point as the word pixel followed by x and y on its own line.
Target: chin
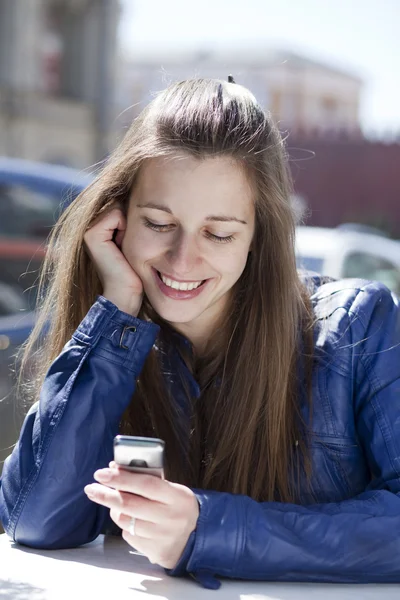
pixel 176 314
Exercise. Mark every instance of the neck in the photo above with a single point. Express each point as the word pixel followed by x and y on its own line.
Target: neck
pixel 201 330
pixel 198 339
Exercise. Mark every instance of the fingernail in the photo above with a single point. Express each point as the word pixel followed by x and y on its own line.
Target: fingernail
pixel 89 491
pixel 103 475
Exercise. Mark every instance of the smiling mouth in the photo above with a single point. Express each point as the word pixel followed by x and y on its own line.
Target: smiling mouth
pixel 180 285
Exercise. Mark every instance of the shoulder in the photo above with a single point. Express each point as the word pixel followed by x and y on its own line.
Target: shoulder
pixel 358 298
pixel 352 316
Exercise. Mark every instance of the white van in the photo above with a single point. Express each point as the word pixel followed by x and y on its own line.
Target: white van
pixel 349 250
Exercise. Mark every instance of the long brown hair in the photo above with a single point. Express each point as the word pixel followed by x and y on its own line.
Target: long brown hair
pixel 244 427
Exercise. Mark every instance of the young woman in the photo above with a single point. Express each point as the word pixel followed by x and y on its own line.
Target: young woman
pixel 173 309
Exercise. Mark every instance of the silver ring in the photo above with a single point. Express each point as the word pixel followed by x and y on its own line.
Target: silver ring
pixel 132 524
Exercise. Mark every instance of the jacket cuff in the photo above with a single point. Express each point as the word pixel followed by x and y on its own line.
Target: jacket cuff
pixel 203 577
pixel 219 526
pixel 116 335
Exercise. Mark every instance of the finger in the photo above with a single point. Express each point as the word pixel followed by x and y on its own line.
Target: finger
pixel 119 237
pixel 104 227
pixel 143 529
pixel 128 504
pixel 113 213
pixel 144 509
pixel 147 547
pixel 148 486
pixel 105 230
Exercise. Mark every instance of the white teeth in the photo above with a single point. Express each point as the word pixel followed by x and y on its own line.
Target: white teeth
pixel 176 285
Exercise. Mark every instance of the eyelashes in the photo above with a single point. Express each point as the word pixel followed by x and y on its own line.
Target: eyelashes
pixel 166 228
pixel 219 239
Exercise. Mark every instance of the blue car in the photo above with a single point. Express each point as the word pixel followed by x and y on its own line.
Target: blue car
pixel 32 196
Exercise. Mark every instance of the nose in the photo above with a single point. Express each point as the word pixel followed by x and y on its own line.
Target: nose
pixel 184 255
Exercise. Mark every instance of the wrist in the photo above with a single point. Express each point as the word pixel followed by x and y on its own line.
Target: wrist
pixel 123 302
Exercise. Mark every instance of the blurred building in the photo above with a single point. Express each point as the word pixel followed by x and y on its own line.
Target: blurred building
pixel 345 179
pixel 302 94
pixel 57 66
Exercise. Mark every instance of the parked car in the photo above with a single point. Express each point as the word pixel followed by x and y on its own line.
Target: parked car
pixel 31 198
pixel 350 250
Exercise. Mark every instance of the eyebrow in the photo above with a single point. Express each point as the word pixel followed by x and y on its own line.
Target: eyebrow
pixel 221 218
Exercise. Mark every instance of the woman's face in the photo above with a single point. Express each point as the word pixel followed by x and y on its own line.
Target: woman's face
pixel 189 228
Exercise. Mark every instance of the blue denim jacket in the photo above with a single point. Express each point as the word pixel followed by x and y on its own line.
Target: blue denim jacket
pixel 348 532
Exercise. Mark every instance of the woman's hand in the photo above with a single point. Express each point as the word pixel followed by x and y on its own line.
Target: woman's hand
pixel 165 513
pixel 120 283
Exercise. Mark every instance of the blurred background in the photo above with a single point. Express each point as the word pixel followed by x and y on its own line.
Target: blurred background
pixel 74 73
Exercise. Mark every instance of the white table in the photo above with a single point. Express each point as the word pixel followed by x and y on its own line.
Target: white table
pixel 109 569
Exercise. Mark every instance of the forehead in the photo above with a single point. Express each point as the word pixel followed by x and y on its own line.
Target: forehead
pixel 218 183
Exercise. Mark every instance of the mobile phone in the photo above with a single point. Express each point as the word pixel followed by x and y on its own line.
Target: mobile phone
pixel 140 454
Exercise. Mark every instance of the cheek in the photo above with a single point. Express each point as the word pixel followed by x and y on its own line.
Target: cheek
pixel 231 263
pixel 139 246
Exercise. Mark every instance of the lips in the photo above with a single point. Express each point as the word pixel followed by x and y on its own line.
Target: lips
pixel 178 284
pixel 177 294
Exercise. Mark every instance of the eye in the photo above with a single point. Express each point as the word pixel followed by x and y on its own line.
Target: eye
pixel 168 227
pixel 219 239
pixel 156 226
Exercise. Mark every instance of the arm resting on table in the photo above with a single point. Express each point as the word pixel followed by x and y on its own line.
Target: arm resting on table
pixel 69 433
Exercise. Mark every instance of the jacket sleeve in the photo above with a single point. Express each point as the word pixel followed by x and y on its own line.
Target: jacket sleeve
pixel 69 433
pixel 357 540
